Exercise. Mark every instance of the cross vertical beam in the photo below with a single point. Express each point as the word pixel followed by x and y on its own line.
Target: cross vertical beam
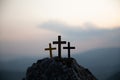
pixel 59 42
pixel 50 49
pixel 69 49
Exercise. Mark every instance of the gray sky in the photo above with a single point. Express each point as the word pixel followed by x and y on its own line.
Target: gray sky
pixel 27 26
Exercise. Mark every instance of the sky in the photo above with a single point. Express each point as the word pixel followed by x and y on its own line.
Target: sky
pixel 27 26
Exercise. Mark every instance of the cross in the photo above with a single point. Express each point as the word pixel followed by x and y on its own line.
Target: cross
pixel 68 49
pixel 59 42
pixel 50 49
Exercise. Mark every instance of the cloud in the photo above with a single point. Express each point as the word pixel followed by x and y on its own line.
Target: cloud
pixel 32 41
pixel 87 36
pixel 88 30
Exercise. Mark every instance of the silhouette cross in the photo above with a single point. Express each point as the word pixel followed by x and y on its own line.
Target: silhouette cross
pixel 50 49
pixel 68 49
pixel 59 42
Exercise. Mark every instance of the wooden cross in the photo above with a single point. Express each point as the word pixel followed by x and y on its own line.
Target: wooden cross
pixel 59 42
pixel 68 49
pixel 50 49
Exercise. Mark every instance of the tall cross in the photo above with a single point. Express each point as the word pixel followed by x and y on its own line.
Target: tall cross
pixel 59 42
pixel 50 49
pixel 68 49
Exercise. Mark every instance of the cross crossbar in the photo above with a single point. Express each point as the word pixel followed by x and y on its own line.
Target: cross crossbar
pixel 59 42
pixel 69 47
pixel 50 49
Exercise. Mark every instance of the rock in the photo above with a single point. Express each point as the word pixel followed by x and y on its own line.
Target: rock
pixel 58 69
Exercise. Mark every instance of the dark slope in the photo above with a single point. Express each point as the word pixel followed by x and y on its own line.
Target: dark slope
pixel 115 76
pixel 58 69
pixel 102 62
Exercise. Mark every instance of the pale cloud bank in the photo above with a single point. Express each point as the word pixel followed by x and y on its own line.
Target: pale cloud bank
pixel 31 41
pixel 88 37
pixel 86 31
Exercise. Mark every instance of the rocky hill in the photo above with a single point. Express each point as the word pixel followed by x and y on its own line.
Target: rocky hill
pixel 58 69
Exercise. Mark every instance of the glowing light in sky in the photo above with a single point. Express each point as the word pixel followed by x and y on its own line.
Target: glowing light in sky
pixel 104 13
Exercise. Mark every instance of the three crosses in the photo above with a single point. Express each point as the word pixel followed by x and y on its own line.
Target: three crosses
pixel 59 42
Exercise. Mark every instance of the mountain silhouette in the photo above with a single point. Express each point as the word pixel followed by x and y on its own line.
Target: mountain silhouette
pixel 58 69
pixel 115 76
pixel 102 62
